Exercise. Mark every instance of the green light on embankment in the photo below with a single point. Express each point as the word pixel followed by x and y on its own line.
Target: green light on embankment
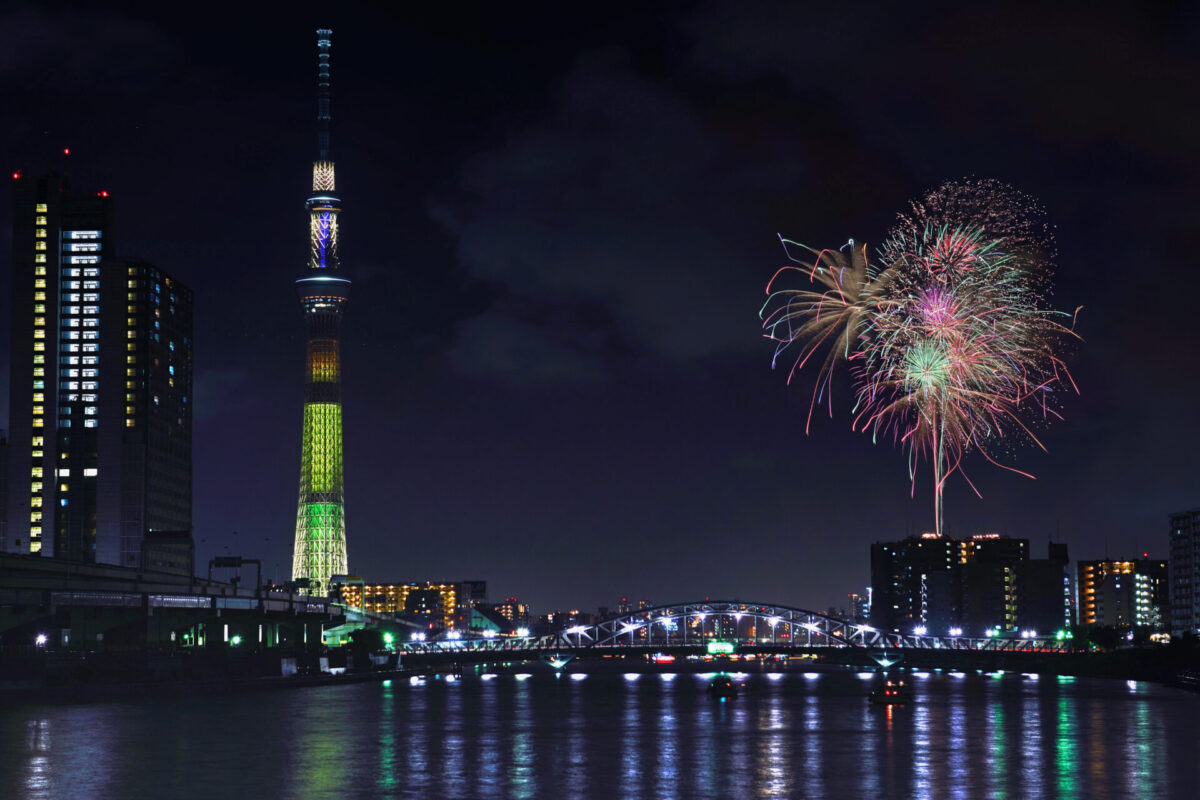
pixel 388 639
pixel 235 640
pixel 720 648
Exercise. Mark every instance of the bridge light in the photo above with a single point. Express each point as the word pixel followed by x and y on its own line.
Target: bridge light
pixel 920 630
pixel 489 634
pixel 522 631
pixel 629 627
pixel 576 629
pixel 41 639
pixel 812 626
pixel 419 636
pixel 956 631
pixel 454 636
pixel 774 621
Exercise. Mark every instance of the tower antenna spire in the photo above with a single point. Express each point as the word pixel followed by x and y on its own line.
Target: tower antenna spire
pixel 323 116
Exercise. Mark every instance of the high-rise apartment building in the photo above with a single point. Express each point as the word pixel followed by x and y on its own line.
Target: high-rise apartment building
pixel 319 551
pixel 937 583
pixel 1123 593
pixel 100 428
pixel 1185 572
pixel 910 577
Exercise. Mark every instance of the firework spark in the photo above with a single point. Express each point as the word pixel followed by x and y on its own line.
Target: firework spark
pixel 948 342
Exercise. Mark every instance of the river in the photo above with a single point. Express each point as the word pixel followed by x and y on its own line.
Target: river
pixel 608 735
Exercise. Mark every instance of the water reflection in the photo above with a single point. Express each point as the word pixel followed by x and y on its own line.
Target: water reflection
pixel 774 767
pixel 37 777
pixel 666 770
pixel 606 737
pixel 812 764
pixel 522 777
pixel 1032 747
pixel 631 766
pixel 387 741
pixel 1066 784
pixel 997 748
pixel 922 758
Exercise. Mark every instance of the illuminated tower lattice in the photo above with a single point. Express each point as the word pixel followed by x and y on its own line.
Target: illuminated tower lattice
pixel 320 547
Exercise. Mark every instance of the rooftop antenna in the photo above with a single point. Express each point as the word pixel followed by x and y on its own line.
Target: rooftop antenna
pixel 323 116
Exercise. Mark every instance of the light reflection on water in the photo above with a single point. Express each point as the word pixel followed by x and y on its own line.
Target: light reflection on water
pixel 606 737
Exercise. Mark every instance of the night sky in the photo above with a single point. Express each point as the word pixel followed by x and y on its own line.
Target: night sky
pixel 559 225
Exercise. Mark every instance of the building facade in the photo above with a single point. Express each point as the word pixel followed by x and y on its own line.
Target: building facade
pixel 1185 572
pixel 1123 593
pixel 319 550
pixel 937 584
pixel 100 429
pixel 436 602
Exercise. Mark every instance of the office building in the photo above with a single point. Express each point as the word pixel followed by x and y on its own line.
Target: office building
pixel 100 429
pixel 319 551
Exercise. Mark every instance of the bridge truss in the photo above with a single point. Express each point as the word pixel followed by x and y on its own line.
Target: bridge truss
pixel 743 624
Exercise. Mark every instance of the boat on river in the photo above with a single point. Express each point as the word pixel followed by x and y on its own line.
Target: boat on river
pixel 722 687
pixel 892 692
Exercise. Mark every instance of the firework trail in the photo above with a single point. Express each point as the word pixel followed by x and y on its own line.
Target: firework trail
pixel 947 338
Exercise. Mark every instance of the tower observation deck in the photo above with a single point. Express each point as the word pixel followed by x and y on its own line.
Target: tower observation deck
pixel 320 545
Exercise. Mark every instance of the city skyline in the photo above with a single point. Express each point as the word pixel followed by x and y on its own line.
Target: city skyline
pixel 557 373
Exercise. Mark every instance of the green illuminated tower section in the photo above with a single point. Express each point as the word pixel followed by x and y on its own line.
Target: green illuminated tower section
pixel 320 547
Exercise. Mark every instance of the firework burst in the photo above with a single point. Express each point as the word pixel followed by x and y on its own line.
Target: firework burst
pixel 948 341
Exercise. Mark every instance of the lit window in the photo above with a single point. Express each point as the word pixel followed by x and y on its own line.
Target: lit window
pixel 40 208
pixel 39 246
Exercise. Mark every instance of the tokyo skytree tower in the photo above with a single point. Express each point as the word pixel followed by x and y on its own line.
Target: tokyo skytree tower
pixel 320 546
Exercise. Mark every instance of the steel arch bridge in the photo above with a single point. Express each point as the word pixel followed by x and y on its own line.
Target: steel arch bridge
pixel 696 624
